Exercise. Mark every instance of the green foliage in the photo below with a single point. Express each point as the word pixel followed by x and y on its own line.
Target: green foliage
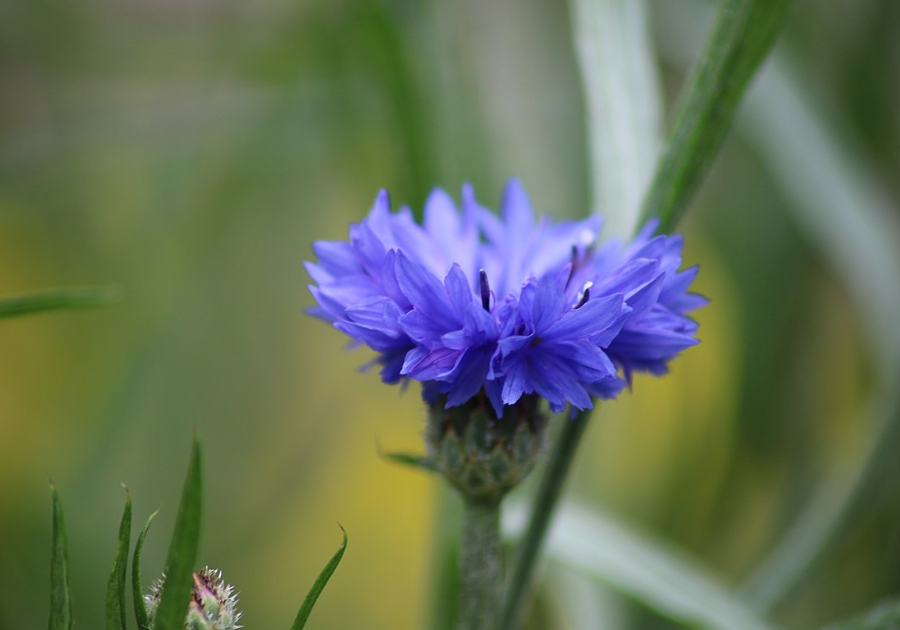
pixel 60 600
pixel 660 577
pixel 115 589
pixel 743 33
pixel 69 297
pixel 137 588
pixel 319 585
pixel 176 588
pixel 183 549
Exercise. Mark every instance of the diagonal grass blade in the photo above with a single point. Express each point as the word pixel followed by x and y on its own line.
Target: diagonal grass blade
pixel 742 36
pixel 662 578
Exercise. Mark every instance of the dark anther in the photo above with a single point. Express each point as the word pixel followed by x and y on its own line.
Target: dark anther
pixel 485 291
pixel 585 296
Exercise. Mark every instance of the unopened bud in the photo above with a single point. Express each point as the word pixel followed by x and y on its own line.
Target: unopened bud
pixel 213 603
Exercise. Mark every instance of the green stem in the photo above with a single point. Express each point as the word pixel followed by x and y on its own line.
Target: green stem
pixel 480 566
pixel 545 503
pixel 742 36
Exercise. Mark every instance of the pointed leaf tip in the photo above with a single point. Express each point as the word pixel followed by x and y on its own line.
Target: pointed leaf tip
pixel 115 589
pixel 421 462
pixel 319 585
pixel 183 548
pixel 60 601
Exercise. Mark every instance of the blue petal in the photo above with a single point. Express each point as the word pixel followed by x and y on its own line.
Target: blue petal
pixel 425 292
pixel 548 303
pixel 458 290
pixel 337 257
pixel 469 375
pixel 596 317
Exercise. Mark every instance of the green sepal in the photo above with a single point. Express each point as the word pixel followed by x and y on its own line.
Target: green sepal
pixel 176 591
pixel 137 588
pixel 482 457
pixel 115 588
pixel 60 600
pixel 319 585
pixel 50 299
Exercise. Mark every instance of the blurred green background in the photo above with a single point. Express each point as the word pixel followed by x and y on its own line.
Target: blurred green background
pixel 189 151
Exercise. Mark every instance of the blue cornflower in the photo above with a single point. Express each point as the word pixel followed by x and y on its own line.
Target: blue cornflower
pixel 470 303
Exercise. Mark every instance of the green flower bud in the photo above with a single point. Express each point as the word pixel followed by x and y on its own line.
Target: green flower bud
pixel 213 603
pixel 483 456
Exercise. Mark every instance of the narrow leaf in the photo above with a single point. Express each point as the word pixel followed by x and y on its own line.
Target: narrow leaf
pixel 137 588
pixel 742 35
pixel 60 602
pixel 69 297
pixel 319 585
pixel 622 104
pixel 176 593
pixel 847 213
pixel 115 588
pixel 421 462
pixel 665 580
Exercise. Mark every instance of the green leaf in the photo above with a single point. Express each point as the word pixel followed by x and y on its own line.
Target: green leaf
pixel 848 214
pixel 115 588
pixel 176 593
pixel 622 104
pixel 742 35
pixel 422 462
pixel 69 297
pixel 665 580
pixel 137 588
pixel 319 585
pixel 60 602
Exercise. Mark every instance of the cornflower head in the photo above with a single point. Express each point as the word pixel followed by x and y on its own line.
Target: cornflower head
pixel 493 313
pixel 473 304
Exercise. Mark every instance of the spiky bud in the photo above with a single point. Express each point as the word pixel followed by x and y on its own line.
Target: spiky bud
pixel 213 603
pixel 481 455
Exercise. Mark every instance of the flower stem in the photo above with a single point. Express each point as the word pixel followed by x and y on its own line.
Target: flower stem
pixel 480 566
pixel 544 504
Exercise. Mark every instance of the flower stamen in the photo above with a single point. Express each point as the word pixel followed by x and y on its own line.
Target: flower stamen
pixel 485 290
